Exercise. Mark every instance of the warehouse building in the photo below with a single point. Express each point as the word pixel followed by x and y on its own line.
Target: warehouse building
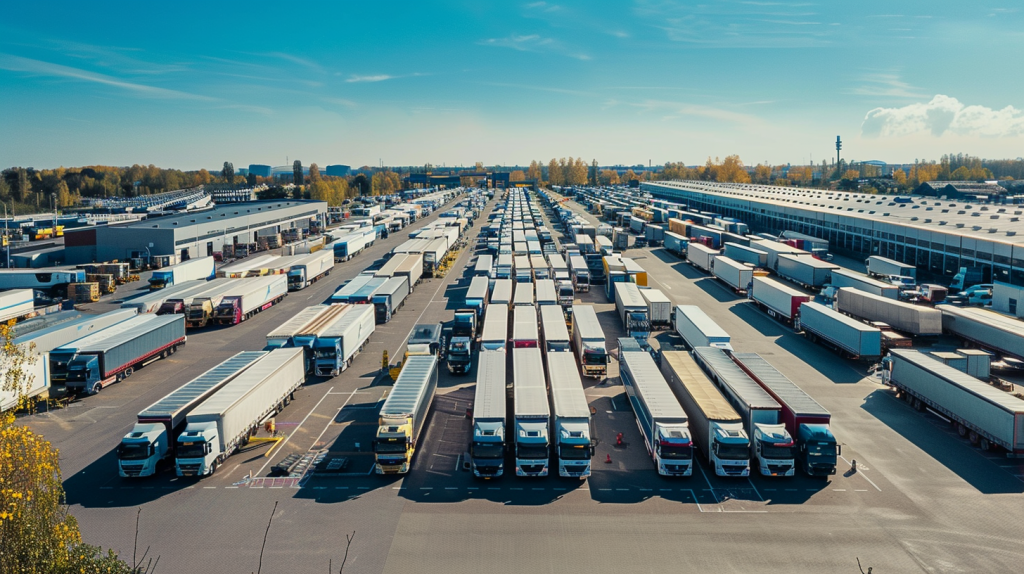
pixel 190 235
pixel 938 236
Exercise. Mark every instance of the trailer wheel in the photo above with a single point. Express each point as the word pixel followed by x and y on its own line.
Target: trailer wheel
pixel 984 444
pixel 973 437
pixel 918 405
pixel 961 430
pixel 128 372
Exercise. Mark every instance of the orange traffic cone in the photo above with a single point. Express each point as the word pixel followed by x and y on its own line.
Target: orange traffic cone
pixel 609 459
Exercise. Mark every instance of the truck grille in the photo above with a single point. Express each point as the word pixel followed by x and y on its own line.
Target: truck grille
pixel 532 468
pixel 189 468
pixel 779 468
pixel 676 468
pixel 131 470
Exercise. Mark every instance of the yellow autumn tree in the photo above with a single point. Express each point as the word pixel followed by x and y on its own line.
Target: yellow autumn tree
pixel 534 171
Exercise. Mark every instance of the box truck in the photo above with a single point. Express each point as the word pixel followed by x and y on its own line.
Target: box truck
pixel 571 424
pixel 153 439
pixel 589 341
pixel 632 310
pixel 226 421
pixel 389 298
pixel 337 345
pixel 310 268
pixel 531 411
pixel 700 256
pixel 112 354
pixel 659 307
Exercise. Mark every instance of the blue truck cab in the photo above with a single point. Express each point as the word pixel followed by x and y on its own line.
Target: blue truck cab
pixel 817 450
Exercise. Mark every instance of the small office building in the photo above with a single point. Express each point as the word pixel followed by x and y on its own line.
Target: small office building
pixel 194 234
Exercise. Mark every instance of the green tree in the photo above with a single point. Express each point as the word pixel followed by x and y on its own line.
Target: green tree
pixel 297 177
pixel 228 172
pixel 250 179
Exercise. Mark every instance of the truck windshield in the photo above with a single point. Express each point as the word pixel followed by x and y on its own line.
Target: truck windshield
pixel 823 449
pixel 574 452
pixel 77 374
pixel 772 451
pixel 675 452
pixel 326 353
pixel 531 451
pixel 732 451
pixel 488 450
pixel 192 450
pixel 138 451
pixel 389 447
pixel 591 358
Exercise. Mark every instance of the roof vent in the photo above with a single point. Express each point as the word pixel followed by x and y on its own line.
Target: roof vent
pixel 993 230
pixel 943 222
pixel 1014 219
pixel 961 212
pixel 927 220
pixel 976 227
pixel 886 214
pixel 915 206
pixel 993 217
pixel 959 225
pixel 929 208
pixel 976 214
pixel 1011 233
pixel 913 218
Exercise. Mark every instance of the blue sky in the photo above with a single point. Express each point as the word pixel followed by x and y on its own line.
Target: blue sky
pixel 193 84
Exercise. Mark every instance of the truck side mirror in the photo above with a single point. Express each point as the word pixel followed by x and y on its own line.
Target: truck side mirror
pixel 839 450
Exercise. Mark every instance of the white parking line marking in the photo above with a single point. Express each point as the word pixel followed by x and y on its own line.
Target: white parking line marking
pixel 839 489
pixel 864 476
pixel 297 427
pixel 426 488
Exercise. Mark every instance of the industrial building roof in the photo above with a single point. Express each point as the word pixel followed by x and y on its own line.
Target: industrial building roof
pixel 221 213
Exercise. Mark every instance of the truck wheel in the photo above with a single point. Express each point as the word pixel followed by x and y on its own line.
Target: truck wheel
pixel 213 467
pixel 918 405
pixel 96 388
pixel 961 430
pixel 973 437
pixel 128 372
pixel 984 444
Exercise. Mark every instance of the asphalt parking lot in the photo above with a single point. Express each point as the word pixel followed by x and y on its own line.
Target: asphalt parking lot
pixel 922 500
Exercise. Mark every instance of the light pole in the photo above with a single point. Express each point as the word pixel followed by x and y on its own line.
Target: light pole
pixel 7 236
pixel 53 203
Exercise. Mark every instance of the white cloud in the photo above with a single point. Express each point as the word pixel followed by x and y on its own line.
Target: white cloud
pixel 943 115
pixel 377 78
pixel 533 43
pixel 38 67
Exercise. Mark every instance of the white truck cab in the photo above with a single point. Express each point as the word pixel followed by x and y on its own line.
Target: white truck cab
pixel 198 450
pixel 142 449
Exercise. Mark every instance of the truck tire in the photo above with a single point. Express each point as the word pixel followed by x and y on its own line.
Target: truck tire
pixel 961 430
pixel 918 405
pixel 984 444
pixel 973 437
pixel 128 372
pixel 96 388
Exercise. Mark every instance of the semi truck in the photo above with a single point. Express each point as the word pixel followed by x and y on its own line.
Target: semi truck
pixel 659 416
pixel 150 302
pixel 53 281
pixel 501 295
pixel 108 356
pixel 699 330
pixel 905 317
pixel 852 338
pixel 35 380
pixel 152 440
pixel 632 310
pixel 571 428
pixel 733 273
pixel 987 416
pixel 772 249
pixel 389 298
pixel 200 308
pixel 770 442
pixel 306 336
pixel 700 256
pixel 806 271
pixel 403 414
pixel 347 290
pixel 778 300
pixel 817 450
pixel 846 278
pixel 226 421
pixel 532 415
pixel 250 297
pixel 337 345
pixel 523 294
pixel 487 451
pixel 308 269
pixel 580 273
pixel 348 246
pixel 193 269
pixel 545 293
pixel 715 426
pixel 589 342
pixel 412 269
pixel 987 329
